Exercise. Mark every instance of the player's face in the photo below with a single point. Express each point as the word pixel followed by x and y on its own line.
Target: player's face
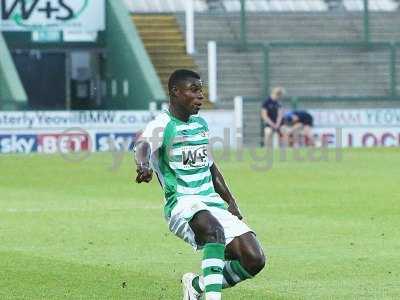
pixel 190 95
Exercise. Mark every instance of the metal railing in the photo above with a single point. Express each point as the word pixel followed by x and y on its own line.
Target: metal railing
pixel 392 51
pixel 350 27
pixel 340 7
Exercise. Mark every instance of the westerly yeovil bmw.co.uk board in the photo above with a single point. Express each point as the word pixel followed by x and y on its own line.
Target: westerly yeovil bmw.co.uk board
pixel 95 131
pixel 99 131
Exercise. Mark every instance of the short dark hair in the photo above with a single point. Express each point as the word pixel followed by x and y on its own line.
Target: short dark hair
pixel 179 76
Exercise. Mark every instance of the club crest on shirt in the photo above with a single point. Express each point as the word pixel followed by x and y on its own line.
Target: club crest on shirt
pixel 194 156
pixel 204 133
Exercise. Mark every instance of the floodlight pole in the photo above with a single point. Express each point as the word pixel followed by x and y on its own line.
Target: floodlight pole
pixel 212 71
pixel 189 18
pixel 238 106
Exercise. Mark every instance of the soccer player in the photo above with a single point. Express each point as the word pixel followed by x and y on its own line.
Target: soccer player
pixel 199 207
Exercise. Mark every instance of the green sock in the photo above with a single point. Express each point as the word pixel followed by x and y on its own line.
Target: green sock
pixel 234 273
pixel 212 266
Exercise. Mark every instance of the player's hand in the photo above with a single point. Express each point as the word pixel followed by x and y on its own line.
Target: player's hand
pixel 234 210
pixel 144 173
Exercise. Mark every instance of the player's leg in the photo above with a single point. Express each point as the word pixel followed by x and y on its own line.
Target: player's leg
pixel 297 130
pixel 307 131
pixel 244 258
pixel 268 137
pixel 248 251
pixel 308 123
pixel 191 221
pixel 209 233
pixel 288 131
pixel 283 136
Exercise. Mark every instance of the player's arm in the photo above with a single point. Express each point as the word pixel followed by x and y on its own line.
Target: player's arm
pixel 142 159
pixel 148 143
pixel 265 118
pixel 222 189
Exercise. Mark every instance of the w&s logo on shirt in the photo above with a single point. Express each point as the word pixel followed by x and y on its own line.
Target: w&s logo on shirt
pixel 194 156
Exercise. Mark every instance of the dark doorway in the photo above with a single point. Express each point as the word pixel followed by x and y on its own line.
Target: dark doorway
pixel 44 78
pixel 85 79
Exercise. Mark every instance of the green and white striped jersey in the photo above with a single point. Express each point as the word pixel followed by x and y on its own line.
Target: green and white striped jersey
pixel 180 158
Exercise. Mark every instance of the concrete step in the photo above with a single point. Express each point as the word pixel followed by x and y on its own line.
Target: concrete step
pixel 161 34
pixel 153 18
pixel 160 52
pixel 164 43
pixel 165 40
pixel 156 27
pixel 172 60
pixel 162 48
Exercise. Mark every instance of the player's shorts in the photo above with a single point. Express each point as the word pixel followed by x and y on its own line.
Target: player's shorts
pixel 186 208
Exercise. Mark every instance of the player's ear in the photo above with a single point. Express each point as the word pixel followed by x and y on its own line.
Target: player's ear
pixel 174 91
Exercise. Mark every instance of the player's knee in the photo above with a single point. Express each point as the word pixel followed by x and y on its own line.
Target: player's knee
pixel 255 262
pixel 207 229
pixel 259 263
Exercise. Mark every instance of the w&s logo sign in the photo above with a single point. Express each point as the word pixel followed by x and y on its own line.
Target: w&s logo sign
pixel 27 15
pixel 195 156
pixel 25 9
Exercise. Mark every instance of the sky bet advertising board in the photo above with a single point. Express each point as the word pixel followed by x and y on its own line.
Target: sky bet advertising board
pixel 66 132
pixel 51 142
pixel 110 131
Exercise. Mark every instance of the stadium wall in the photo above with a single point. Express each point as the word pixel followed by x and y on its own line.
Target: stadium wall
pixel 128 61
pixel 12 92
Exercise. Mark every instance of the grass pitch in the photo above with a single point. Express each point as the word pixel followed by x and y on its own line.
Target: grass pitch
pixel 84 230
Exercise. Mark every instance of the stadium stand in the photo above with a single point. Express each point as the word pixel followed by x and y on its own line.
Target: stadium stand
pixel 275 5
pixel 163 6
pixel 129 61
pixel 304 70
pixel 325 77
pixel 376 5
pixel 164 43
